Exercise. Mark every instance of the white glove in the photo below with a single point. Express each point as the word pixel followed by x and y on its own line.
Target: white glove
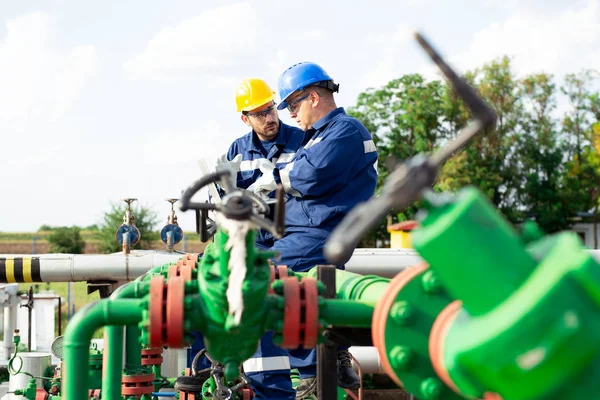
pixel 266 183
pixel 233 165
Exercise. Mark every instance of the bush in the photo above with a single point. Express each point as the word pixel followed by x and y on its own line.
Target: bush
pixel 145 220
pixel 66 240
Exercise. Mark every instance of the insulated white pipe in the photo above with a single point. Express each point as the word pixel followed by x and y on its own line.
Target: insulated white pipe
pixel 368 358
pixel 82 267
pixel 118 267
pixel 382 262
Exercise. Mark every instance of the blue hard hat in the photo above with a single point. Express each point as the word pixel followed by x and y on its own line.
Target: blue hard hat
pixel 299 76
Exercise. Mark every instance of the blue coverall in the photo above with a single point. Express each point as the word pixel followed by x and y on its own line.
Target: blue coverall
pixel 335 169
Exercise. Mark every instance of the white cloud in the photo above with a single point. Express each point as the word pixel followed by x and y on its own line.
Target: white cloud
pixel 39 83
pixel 71 77
pixel 208 142
pixel 389 49
pixel 206 42
pixel 310 35
pixel 537 41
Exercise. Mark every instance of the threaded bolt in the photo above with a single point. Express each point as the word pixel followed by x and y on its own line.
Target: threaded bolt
pixel 431 283
pixel 401 312
pixel 401 357
pixel 431 389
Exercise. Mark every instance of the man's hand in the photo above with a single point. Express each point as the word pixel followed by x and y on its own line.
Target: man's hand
pixel 233 165
pixel 266 183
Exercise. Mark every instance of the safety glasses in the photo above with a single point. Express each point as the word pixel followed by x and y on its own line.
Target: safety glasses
pixel 262 114
pixel 292 106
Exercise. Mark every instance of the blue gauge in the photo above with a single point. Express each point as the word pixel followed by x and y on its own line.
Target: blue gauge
pixel 176 233
pixel 134 234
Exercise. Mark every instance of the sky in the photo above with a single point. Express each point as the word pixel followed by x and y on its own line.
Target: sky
pixel 112 99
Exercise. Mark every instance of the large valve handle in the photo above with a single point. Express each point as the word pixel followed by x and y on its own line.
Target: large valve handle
pixel 239 204
pixel 186 198
pixel 407 182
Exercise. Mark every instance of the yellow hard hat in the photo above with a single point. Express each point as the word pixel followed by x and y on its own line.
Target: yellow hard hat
pixel 253 93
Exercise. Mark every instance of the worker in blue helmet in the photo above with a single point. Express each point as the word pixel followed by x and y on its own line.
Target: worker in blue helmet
pixel 334 170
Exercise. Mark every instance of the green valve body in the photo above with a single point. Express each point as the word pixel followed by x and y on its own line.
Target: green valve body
pixel 529 328
pixel 226 342
pixel 95 381
pixel 475 253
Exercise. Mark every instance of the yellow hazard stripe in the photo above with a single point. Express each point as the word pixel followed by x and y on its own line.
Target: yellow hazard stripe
pixel 10 270
pixel 27 270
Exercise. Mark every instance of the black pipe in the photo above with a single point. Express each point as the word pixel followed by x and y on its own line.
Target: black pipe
pixel 327 376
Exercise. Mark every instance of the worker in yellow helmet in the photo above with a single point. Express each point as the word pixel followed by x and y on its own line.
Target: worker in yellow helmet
pixel 269 144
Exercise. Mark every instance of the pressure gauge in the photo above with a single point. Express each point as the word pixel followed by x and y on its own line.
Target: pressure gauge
pixel 57 347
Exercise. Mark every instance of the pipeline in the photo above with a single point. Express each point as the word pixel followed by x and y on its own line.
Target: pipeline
pixel 79 334
pixel 113 267
pixel 120 267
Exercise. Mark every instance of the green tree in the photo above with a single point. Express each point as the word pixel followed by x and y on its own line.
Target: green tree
pixel 533 165
pixel 582 126
pixel 405 118
pixel 541 151
pixel 145 221
pixel 66 240
pixel 490 162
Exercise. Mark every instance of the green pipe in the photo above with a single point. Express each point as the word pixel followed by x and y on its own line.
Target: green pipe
pixel 351 286
pixel 133 349
pixel 346 313
pixel 159 380
pixel 113 355
pixel 78 336
pixel 114 337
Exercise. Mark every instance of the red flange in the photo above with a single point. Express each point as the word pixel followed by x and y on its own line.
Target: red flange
pixel 141 378
pixel 174 312
pixel 137 385
pixel 271 279
pixel 437 341
pixel 281 272
pixel 156 315
pixel 136 390
pixel 191 259
pixel 173 270
pixel 291 316
pixel 152 356
pixel 41 394
pixel 183 267
pixel 309 296
pixel 186 272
